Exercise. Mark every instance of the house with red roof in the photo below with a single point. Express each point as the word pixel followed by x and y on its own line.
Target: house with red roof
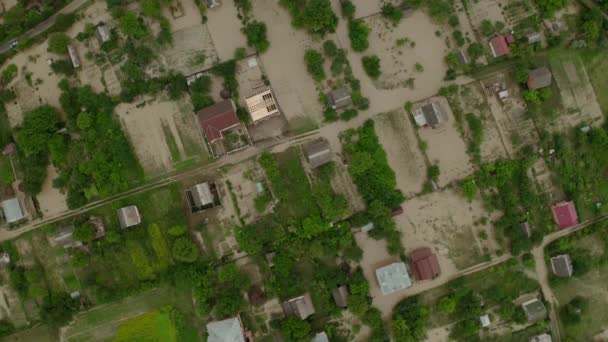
pixel 499 46
pixel 216 119
pixel 564 214
pixel 424 264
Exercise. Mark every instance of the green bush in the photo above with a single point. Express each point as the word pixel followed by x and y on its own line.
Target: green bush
pixel 392 13
pixel 371 65
pixel 358 32
pixel 58 43
pixel 349 114
pixel 255 31
pixel 348 9
pixel 316 16
pixel 63 66
pixel 184 250
pixel 330 49
pixel 314 63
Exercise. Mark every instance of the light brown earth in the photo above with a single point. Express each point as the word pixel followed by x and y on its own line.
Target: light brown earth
pixel 398 62
pixel 51 200
pixel 486 10
pixel 446 148
pixel 226 40
pixel 243 178
pixel 397 136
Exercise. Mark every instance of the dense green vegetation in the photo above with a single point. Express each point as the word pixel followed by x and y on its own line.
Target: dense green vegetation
pixel 392 13
pixel 410 320
pixel 256 35
pixel 371 65
pixel 358 32
pixel 314 63
pixel 375 181
pixel 18 19
pixel 316 16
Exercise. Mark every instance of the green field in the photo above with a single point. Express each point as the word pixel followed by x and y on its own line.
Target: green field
pixel 149 327
pixel 596 64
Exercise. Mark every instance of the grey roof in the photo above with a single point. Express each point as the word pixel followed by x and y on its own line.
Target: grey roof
pixel 201 193
pixel 340 295
pixel 103 33
pixel 228 330
pixel 318 153
pixel 321 337
pixel 462 56
pixel 339 98
pixel 74 56
pixel 525 229
pixel 534 37
pixel 535 310
pixel 301 306
pixel 65 238
pixel 432 113
pixel 393 277
pixel 541 338
pixel 562 265
pixel 213 3
pixel 129 216
pixel 12 210
pixel 539 78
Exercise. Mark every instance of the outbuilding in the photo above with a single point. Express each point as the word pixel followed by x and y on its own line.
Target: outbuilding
pixel 393 277
pixel 539 78
pixel 228 330
pixel 535 310
pixel 12 210
pixel 561 265
pixel 339 98
pixel 340 295
pixel 424 264
pixel 300 307
pixel 129 216
pixel 429 114
pixel 318 153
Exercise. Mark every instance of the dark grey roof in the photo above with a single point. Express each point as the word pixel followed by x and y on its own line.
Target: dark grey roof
pixel 539 78
pixel 462 56
pixel 535 310
pixel 318 153
pixel 562 265
pixel 340 295
pixel 432 114
pixel 12 210
pixel 339 98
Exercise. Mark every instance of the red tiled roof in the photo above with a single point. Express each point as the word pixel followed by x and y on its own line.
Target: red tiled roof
pixel 217 118
pixel 564 215
pixel 424 263
pixel 499 46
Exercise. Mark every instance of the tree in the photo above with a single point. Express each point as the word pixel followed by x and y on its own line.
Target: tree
pixel 475 51
pixel 318 16
pixel 520 73
pixel 58 43
pixel 151 8
pixel 255 31
pixel 184 250
pixel 486 27
pixel 36 130
pixel 434 172
pixel 63 66
pixel 178 230
pixel 469 189
pixel 348 8
pixel 330 49
pixel 314 63
pixel 371 65
pixel 358 33
pixel 6 328
pixel 294 329
pixel 447 304
pixel 392 13
pixel 58 309
pixel 84 232
pixel 131 25
pixel 548 7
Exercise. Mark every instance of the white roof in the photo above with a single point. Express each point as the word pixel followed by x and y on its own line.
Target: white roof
pixel 393 277
pixel 541 338
pixel 419 117
pixel 129 216
pixel 12 210
pixel 485 320
pixel 228 330
pixel 261 105
pixel 321 337
pixel 202 194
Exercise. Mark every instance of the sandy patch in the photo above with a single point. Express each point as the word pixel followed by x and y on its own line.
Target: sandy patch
pixel 284 64
pixel 243 178
pixel 447 149
pixel 192 51
pixel 162 133
pixel 486 10
pixel 397 136
pixel 398 63
pixel 51 200
pixel 225 29
pixel 375 255
pixel 441 334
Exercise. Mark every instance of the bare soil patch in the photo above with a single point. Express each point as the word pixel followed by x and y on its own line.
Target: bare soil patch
pixel 397 136
pixel 225 29
pixel 51 200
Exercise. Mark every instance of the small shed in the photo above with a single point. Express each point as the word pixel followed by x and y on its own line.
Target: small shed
pixel 534 37
pixel 5 259
pixel 539 78
pixel 321 337
pixel 430 114
pixel 213 3
pixel 339 98
pixel 65 238
pixel 535 310
pixel 129 216
pixel 201 195
pixel 12 210
pixel 393 277
pixel 102 33
pixel 340 295
pixel 318 153
pixel 300 307
pixel 424 264
pixel 228 330
pixel 485 320
pixel 100 227
pixel 562 265
pixel 564 214
pixel 463 57
pixel 525 229
pixel 74 56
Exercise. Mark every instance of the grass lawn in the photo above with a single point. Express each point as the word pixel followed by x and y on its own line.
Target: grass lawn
pixel 40 333
pixel 149 327
pixel 171 144
pixel 6 171
pixel 597 67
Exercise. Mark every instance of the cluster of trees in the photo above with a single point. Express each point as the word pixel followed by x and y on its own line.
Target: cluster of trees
pixel 359 303
pixel 375 180
pixel 591 25
pixel 548 7
pixel 410 320
pixel 316 16
pixel 392 13
pixel 254 30
pixel 476 127
pixel 358 32
pixel 18 19
pixel 199 93
pixel 58 43
pixel 371 65
pixel 314 64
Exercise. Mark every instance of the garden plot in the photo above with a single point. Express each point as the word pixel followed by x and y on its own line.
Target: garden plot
pixel 411 55
pixel 224 27
pixel 451 226
pixel 51 200
pixel 446 148
pixel 577 94
pixel 243 179
pixel 343 184
pixel 491 10
pixel 164 134
pixel 397 136
pixel 471 99
pixel 284 64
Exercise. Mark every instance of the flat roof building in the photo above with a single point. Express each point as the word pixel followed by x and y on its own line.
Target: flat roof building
pixel 564 214
pixel 129 216
pixel 393 277
pixel 561 265
pixel 318 153
pixel 12 210
pixel 228 330
pixel 262 106
pixel 216 119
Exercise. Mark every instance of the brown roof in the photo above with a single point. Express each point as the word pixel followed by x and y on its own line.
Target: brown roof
pixel 340 295
pixel 424 263
pixel 499 46
pixel 300 307
pixel 217 118
pixel 539 78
